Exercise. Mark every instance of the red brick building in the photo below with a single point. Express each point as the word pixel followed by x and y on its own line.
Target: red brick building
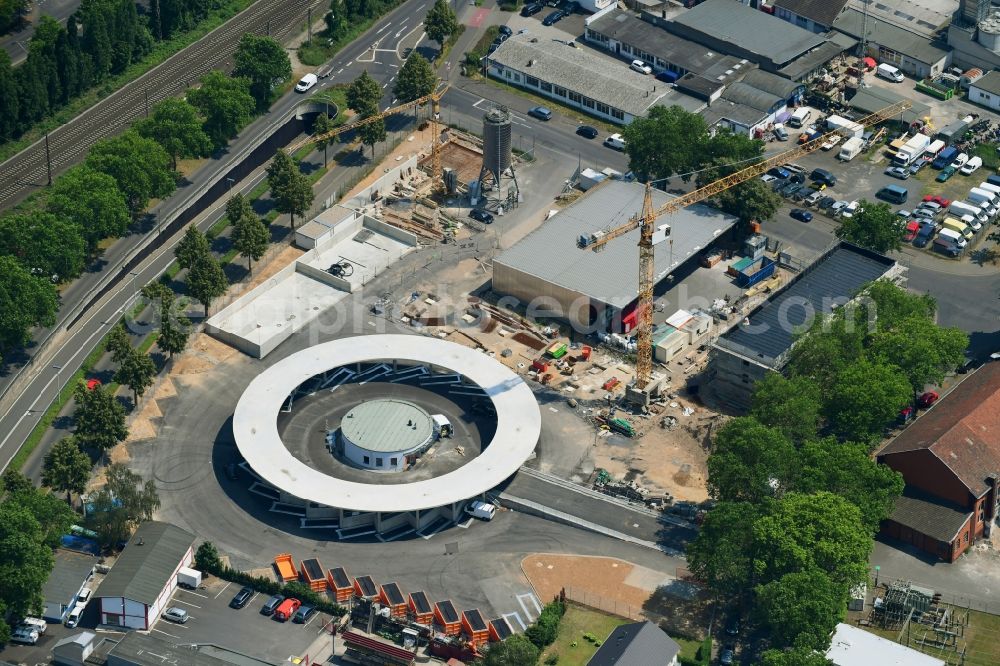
pixel 950 460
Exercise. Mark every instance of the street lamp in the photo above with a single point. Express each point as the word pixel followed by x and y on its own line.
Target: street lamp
pixel 230 181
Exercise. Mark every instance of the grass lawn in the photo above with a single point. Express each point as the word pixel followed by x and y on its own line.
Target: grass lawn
pixel 575 623
pixel 955 188
pixel 978 640
pixel 988 153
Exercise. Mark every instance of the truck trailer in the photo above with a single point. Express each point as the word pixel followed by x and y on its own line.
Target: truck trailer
pixel 188 578
pixel 851 148
pixel 913 149
pixel 848 128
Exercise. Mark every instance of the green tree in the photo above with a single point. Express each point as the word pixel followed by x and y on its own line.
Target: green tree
pixel 440 22
pixel 722 553
pixel 874 226
pixel 14 482
pixel 801 532
pixel 372 132
pixel 923 351
pixel 792 405
pixel 251 238
pixel 238 207
pixel 750 462
pixel 140 166
pixel 800 609
pixel 175 328
pixel 323 125
pixel 830 345
pixel 264 62
pixel 864 398
pixel 119 344
pixel 100 419
pixel 25 301
pixel 53 515
pixel 9 99
pixel 416 79
pixel 124 502
pixel 45 244
pixel 206 281
pixel 363 94
pixel 226 104
pixel 667 141
pixel 290 188
pixel 137 372
pixel 27 560
pixel 752 201
pixel 794 657
pixel 66 468
pixel 206 558
pixel 92 201
pixel 845 468
pixel 176 125
pixel 192 247
pixel 514 651
pixel 891 305
pixel 11 14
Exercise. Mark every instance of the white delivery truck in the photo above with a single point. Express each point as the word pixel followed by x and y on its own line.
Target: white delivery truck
pixel 889 73
pixel 851 148
pixel 481 510
pixel 188 578
pixel 936 147
pixel 911 150
pixel 960 208
pixel 800 116
pixel 989 187
pixel 956 238
pixel 987 204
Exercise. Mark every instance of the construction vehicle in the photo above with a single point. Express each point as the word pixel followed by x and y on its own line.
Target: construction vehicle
pixel 434 98
pixel 649 235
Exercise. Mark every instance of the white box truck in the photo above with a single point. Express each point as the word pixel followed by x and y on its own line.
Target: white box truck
pixel 800 116
pixel 986 201
pixel 936 147
pixel 960 208
pixel 851 148
pixel 846 127
pixel 911 150
pixel 188 578
pixel 481 510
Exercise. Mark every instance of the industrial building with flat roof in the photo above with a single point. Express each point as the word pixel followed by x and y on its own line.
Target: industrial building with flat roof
pixel 911 52
pixel 760 344
pixel 597 290
pixel 753 104
pixel 581 78
pixel 776 46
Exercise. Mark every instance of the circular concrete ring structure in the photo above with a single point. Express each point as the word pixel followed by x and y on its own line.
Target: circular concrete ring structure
pixel 380 434
pixel 255 424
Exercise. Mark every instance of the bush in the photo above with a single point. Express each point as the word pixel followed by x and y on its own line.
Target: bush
pixel 207 557
pixel 543 632
pixel 703 656
pixel 552 659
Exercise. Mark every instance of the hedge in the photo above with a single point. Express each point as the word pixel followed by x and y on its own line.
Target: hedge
pixel 545 629
pixel 704 656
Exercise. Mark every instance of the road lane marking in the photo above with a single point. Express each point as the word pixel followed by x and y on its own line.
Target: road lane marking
pixel 224 588
pixel 384 85
pixel 181 601
pixel 383 27
pixel 203 596
pixel 476 105
pixel 401 31
pixel 165 633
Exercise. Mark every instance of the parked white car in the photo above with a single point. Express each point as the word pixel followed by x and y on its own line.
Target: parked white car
pixel 849 210
pixel 641 67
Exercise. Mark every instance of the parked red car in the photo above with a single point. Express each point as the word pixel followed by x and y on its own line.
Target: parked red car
pixel 93 384
pixel 912 227
pixel 287 609
pixel 927 399
pixel 938 199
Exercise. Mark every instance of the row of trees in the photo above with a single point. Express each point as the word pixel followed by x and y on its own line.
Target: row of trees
pixel 799 497
pixel 11 14
pixel 99 198
pixel 100 40
pixel 673 142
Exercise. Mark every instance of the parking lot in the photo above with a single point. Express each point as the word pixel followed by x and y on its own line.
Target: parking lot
pixel 211 620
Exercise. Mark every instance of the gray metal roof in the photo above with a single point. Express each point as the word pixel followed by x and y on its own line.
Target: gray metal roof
pixel 818 57
pixel 740 114
pixel 874 98
pixel 776 85
pixel 583 71
pixel 833 279
pixel 634 644
pixel 747 95
pixel 148 561
pixel 629 29
pixel 135 649
pixel 819 11
pixel 387 425
pixel 928 515
pixel 883 33
pixel 989 83
pixel 611 275
pixel 68 575
pixel 748 29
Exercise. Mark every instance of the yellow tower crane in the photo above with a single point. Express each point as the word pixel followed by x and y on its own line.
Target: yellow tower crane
pixel 647 217
pixel 434 98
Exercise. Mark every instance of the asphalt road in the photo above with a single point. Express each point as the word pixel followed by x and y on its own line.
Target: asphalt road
pixel 16 43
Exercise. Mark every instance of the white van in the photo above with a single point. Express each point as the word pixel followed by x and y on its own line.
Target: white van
pixel 956 238
pixel 306 82
pixel 989 187
pixel 960 208
pixel 36 624
pixel 800 117
pixel 889 73
pixel 969 167
pixel 615 141
pixel 985 199
pixel 73 618
pixel 481 510
pixel 972 223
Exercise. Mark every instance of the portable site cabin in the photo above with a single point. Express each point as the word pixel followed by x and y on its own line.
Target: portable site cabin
pixel 340 584
pixel 474 626
pixel 420 608
pixel 392 597
pixel 365 587
pixel 447 618
pixel 312 574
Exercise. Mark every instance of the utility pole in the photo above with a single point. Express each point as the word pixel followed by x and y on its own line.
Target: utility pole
pixel 145 96
pixel 863 47
pixel 269 28
pixel 309 23
pixel 48 158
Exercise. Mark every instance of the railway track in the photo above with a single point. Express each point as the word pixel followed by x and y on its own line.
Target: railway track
pixel 25 172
